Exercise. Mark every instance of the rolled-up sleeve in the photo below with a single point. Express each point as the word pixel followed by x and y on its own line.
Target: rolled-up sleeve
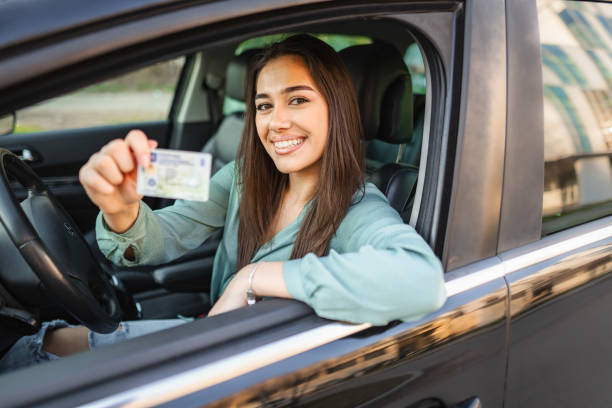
pixel 163 235
pixel 381 270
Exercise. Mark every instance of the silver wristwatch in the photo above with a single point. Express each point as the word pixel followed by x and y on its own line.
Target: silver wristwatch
pixel 251 298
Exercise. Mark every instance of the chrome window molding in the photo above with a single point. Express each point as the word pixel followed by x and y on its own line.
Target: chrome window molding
pixel 572 261
pixel 533 254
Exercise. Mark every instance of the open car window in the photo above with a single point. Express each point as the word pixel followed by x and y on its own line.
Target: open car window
pixel 148 95
pixel 272 324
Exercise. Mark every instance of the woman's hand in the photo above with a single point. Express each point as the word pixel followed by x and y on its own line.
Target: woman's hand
pixel 267 281
pixel 109 178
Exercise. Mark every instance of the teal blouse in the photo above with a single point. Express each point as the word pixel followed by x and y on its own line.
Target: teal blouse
pixel 378 269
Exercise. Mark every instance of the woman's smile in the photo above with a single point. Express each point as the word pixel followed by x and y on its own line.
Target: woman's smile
pixel 287 145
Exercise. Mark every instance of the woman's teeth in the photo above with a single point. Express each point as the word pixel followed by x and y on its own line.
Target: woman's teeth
pixel 287 143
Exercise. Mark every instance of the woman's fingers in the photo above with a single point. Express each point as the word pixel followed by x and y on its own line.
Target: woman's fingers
pixel 92 180
pixel 138 142
pixel 109 176
pixel 107 167
pixel 120 152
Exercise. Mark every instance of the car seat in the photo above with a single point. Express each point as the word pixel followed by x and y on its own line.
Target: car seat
pixel 384 91
pixel 223 145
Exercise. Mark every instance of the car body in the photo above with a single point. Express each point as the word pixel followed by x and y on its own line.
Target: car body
pixel 526 321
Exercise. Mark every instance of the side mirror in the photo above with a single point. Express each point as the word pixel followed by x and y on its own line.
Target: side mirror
pixel 7 123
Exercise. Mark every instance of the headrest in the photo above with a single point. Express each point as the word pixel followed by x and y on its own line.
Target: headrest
pixel 236 75
pixel 384 91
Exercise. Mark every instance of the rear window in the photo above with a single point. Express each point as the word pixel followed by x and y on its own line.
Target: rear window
pixel 576 45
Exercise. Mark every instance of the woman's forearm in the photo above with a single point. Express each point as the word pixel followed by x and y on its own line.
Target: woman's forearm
pixel 268 280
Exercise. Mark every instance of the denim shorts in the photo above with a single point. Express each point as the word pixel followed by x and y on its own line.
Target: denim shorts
pixel 28 350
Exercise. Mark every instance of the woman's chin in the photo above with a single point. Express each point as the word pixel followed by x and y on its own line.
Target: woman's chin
pixel 286 168
pixel 287 165
pixel 294 166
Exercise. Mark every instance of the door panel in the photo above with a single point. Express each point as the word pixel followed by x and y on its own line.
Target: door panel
pixel 560 349
pixel 455 354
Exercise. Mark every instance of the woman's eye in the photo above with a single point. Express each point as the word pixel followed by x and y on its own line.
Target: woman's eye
pixel 262 106
pixel 298 101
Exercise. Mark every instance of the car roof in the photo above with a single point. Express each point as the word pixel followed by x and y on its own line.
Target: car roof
pixel 39 37
pixel 50 18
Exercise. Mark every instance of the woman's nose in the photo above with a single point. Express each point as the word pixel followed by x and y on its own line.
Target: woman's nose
pixel 280 118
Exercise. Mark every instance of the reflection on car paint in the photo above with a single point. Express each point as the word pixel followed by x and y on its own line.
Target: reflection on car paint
pixel 312 382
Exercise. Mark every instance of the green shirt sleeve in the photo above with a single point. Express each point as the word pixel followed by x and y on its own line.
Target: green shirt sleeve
pixel 163 235
pixel 377 270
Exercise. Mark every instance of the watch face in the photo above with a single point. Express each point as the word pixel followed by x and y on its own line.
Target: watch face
pixel 250 297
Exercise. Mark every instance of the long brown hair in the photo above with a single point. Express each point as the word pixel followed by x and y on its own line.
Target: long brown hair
pixel 342 164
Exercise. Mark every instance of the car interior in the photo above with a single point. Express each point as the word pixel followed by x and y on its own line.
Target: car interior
pixel 393 115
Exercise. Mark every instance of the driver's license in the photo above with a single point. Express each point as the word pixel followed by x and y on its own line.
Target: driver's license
pixel 176 174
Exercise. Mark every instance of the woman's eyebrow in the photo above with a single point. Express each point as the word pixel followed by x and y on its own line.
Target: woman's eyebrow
pixel 297 88
pixel 286 90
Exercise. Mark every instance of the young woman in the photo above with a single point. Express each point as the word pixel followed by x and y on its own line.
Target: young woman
pixel 299 221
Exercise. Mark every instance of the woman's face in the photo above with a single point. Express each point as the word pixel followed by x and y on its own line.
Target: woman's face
pixel 291 115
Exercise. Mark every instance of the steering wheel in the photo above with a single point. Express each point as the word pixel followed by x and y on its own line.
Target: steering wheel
pixel 51 244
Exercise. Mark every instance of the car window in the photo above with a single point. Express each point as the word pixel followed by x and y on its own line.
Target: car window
pixel 336 41
pixel 414 61
pixel 576 46
pixel 139 96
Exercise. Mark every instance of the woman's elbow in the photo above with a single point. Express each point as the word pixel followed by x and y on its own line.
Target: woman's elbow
pixel 429 291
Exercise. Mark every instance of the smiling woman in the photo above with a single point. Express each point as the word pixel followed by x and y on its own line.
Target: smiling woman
pixel 298 220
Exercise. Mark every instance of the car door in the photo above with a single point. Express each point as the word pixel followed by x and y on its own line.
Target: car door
pixel 560 353
pixel 279 353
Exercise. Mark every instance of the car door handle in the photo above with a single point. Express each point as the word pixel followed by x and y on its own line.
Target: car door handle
pixel 473 402
pixel 27 155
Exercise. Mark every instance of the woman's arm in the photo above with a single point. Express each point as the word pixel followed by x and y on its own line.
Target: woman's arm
pixel 160 236
pixel 380 270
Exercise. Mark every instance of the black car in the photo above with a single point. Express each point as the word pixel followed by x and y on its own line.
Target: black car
pixel 502 162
